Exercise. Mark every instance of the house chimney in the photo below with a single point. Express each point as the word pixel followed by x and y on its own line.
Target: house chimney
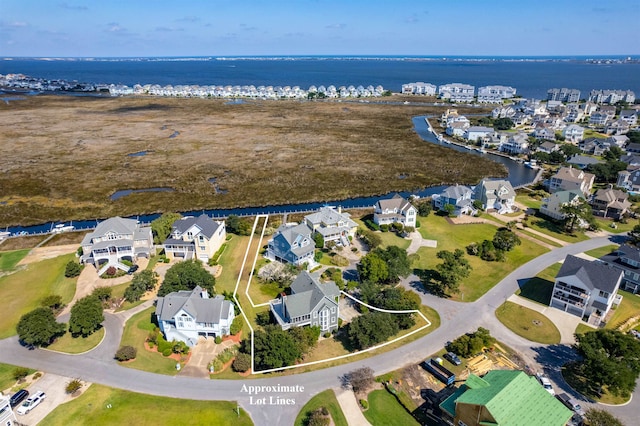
pixel 204 294
pixel 284 306
pixel 340 209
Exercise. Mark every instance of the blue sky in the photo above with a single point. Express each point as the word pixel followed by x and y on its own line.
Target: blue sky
pixel 55 28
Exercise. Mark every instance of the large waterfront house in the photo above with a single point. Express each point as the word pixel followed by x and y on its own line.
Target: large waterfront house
pixel 291 243
pixel 475 133
pixel 515 143
pixel 456 92
pixel 114 240
pixel 333 224
pixel 612 96
pixel 187 315
pixel 195 238
pixel 395 210
pixel 310 303
pixel 459 196
pixel 563 95
pixel 626 258
pixel 586 288
pixel 505 398
pixel 630 116
pixel 495 94
pixel 609 202
pixel 553 204
pixel 419 88
pixel 496 195
pixel 568 179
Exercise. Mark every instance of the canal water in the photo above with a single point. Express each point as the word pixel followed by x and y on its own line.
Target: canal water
pixel 518 175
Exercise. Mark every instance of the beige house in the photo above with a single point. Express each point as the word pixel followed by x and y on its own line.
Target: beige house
pixel 570 179
pixel 552 205
pixel 195 238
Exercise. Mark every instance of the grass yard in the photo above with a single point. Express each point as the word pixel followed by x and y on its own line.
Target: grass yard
pixel 605 225
pixel 539 288
pixel 77 345
pixel 231 262
pixel 628 308
pixel 583 328
pixel 135 333
pixel 384 409
pixel 392 239
pixel 555 230
pixel 484 275
pixel 117 292
pixel 6 375
pixel 528 323
pixel 525 199
pixel 140 409
pixel 23 290
pixel 9 259
pixel 325 399
pixel 602 251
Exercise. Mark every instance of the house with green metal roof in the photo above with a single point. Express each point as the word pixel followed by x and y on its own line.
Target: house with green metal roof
pixel 504 398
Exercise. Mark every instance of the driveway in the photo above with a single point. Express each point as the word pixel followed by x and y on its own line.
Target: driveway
pixel 201 355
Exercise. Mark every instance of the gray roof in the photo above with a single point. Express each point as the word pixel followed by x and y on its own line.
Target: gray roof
pixel 578 159
pixel 628 251
pixel 307 293
pixel 330 217
pixel 117 225
pixel 595 275
pixel 207 226
pixel 566 196
pixel 494 187
pixel 480 129
pixel 203 310
pixel 456 191
pixel 396 202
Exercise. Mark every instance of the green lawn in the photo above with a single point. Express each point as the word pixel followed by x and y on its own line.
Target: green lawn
pixel 484 275
pixel 540 287
pixel 555 230
pixel 135 333
pixel 605 225
pixel 77 345
pixel 9 259
pixel 385 410
pixel 6 375
pixel 628 308
pixel 528 201
pixel 323 399
pixel 117 292
pixel 231 262
pixel 602 251
pixel 100 405
pixel 583 328
pixel 528 323
pixel 23 290
pixel 392 239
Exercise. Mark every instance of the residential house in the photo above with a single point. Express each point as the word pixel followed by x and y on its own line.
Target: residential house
pixel 503 112
pixel 310 303
pixel 582 161
pixel 631 160
pixel 633 147
pixel 563 95
pixel 459 196
pixel 195 238
pixel 457 128
pixel 516 143
pixel 629 179
pixel 333 224
pixel 543 131
pixel 7 416
pixel 548 147
pixel 292 243
pixel 626 259
pixel 475 133
pixel 585 288
pixel 573 133
pixel 395 210
pixel 599 118
pixel 568 178
pixel 520 118
pixel 456 92
pixel 630 116
pixel 594 146
pixel 552 205
pixel 186 315
pixel 114 240
pixel 616 127
pixel 419 88
pixel 612 96
pixel 610 202
pixel 495 94
pixel 495 195
pixel 618 140
pixel 505 398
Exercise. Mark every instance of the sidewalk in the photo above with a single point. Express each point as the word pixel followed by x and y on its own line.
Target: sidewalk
pixel 350 408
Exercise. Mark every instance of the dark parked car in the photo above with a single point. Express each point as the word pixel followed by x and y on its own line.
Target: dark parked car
pixel 452 358
pixel 18 397
pixel 132 269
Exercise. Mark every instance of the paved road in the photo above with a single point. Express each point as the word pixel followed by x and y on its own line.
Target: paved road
pixel 98 365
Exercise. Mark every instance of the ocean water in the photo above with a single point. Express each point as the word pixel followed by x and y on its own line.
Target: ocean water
pixel 532 78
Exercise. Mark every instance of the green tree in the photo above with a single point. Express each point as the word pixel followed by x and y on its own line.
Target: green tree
pixel 453 269
pixel 86 316
pixel 634 235
pixel 53 302
pixel 425 207
pixel 72 269
pixel 142 282
pixel 610 358
pixel 398 299
pixel 370 238
pixel 574 213
pixel 274 348
pixel 373 268
pixel 39 327
pixel 161 227
pixel 319 240
pixel 503 124
pixel 102 293
pixel 569 150
pixel 449 209
pixel 186 276
pixel 371 328
pixel 598 417
pixel 607 172
pixel 242 362
pixel 505 240
pixel 236 325
pixel 398 264
pixel 613 153
pixel 238 226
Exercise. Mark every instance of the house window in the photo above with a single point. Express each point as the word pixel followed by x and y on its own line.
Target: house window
pixel 315 314
pixel 324 319
pixel 410 213
pixel 333 310
pixel 201 238
pixel 604 294
pixel 202 248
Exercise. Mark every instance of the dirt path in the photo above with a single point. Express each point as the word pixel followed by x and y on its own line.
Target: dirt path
pixel 42 253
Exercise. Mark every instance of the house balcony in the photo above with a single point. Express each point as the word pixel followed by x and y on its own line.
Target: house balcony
pixel 572 301
pixel 572 290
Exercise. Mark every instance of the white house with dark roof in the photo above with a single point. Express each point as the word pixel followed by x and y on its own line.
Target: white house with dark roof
pixel 310 303
pixel 395 210
pixel 459 196
pixel 333 224
pixel 586 288
pixel 114 240
pixel 495 195
pixel 292 243
pixel 627 259
pixel 630 116
pixel 195 238
pixel 187 315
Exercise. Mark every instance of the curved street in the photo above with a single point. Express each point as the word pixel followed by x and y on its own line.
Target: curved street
pixel 98 365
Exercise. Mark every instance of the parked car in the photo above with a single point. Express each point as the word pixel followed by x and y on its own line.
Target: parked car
pixel 570 403
pixel 18 397
pixel 546 383
pixel 452 358
pixel 31 403
pixel 132 269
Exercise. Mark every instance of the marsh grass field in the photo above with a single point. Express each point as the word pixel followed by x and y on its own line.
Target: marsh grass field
pixel 65 156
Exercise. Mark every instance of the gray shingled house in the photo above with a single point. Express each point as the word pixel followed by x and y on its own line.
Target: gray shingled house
pixel 186 315
pixel 291 244
pixel 310 303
